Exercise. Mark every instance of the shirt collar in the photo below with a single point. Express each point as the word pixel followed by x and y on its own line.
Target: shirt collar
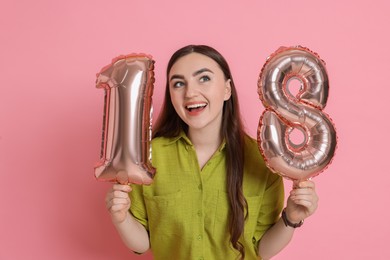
pixel 187 140
pixel 182 135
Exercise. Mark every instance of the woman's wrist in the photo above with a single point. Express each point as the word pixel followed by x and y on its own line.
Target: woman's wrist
pixel 288 223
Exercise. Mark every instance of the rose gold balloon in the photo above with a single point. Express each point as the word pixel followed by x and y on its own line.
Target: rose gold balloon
pixel 286 111
pixel 126 151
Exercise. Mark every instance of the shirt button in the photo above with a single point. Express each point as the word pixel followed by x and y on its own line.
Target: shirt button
pixel 199 213
pixel 199 237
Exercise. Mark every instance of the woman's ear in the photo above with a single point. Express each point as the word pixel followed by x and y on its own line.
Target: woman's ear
pixel 228 89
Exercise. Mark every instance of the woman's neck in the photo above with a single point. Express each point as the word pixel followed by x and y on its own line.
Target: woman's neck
pixel 205 138
pixel 206 142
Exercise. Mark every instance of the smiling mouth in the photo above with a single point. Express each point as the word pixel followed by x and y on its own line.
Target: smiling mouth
pixel 196 107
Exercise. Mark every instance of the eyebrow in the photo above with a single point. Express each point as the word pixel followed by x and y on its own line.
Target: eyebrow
pixel 176 76
pixel 201 71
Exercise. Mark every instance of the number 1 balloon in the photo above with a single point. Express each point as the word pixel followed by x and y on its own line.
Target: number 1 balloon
pixel 126 151
pixel 286 112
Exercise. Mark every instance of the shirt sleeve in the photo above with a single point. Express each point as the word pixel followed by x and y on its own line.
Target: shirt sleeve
pixel 138 208
pixel 271 207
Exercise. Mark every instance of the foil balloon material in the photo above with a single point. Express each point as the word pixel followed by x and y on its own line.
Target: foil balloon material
pixel 126 150
pixel 287 111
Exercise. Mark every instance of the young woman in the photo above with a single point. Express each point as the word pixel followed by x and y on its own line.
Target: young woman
pixel 212 195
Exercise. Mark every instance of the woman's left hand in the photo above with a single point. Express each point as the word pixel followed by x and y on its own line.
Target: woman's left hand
pixel 302 202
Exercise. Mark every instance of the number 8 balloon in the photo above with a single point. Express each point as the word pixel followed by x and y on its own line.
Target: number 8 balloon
pixel 126 152
pixel 287 112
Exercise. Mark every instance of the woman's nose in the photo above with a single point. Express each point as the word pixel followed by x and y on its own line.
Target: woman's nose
pixel 191 90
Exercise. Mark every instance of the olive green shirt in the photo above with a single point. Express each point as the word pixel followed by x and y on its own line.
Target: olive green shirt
pixel 186 209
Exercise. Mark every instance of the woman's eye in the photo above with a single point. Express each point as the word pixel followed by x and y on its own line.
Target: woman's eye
pixel 178 84
pixel 204 78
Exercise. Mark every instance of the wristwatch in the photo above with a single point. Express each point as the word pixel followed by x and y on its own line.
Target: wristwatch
pixel 288 223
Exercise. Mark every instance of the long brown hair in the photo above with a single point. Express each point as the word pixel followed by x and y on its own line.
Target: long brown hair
pixel 169 124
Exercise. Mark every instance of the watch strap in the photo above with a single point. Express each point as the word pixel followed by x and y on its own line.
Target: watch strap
pixel 288 223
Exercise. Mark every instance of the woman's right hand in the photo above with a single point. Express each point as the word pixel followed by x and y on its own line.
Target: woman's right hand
pixel 118 202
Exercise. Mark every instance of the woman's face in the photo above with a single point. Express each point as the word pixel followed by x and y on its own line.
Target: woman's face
pixel 198 90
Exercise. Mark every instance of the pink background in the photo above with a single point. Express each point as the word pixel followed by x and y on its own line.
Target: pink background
pixel 51 114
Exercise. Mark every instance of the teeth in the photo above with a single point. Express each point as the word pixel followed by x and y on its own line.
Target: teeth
pixel 195 106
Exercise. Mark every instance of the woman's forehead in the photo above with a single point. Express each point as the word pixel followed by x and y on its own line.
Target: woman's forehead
pixel 194 62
